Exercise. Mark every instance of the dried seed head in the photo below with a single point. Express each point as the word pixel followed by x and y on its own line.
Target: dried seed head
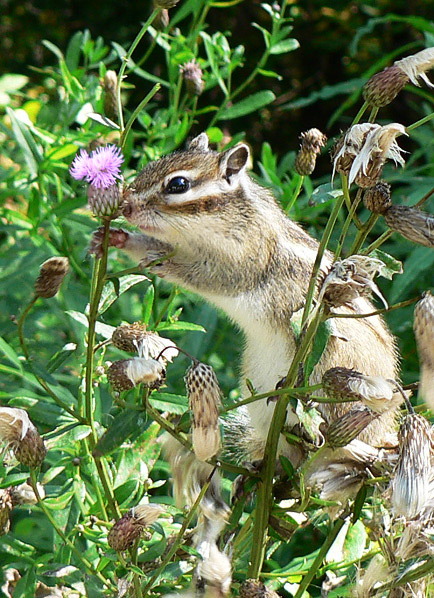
pixel 414 469
pixel 22 437
pixel 193 74
pixel 127 373
pixel 377 198
pixel 127 529
pixel 416 65
pixel 411 223
pixel 5 509
pixel 369 578
pixel 424 333
pixel 215 570
pixel 311 143
pixel 349 279
pixel 51 275
pixel 254 588
pixel 383 87
pixel 347 427
pixel 338 481
pixel 165 3
pixel 23 494
pixel 204 397
pixel 374 391
pixel 134 338
pixel 348 146
pixel 103 202
pixel 110 83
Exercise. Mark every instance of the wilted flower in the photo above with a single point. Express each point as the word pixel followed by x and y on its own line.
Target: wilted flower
pixel 5 509
pixel 348 146
pixel 193 74
pixel 311 143
pixel 51 275
pixel 374 391
pixel 215 571
pixel 165 3
pixel 127 373
pixel 127 529
pixel 347 427
pixel 412 483
pixel 23 494
pixel 338 481
pixel 135 338
pixel 110 83
pixel 255 588
pixel 349 279
pixel 204 395
pixel 161 20
pixel 21 436
pixel 368 579
pixel 377 198
pixel 411 223
pixel 424 333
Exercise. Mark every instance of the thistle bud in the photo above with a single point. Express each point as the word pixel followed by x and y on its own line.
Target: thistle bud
pixel 130 527
pixel 103 202
pixel 413 472
pixel 383 87
pixel 374 391
pixel 110 83
pixel 311 143
pixel 162 20
pixel 51 275
pixel 347 427
pixel 377 199
pixel 192 74
pixel 254 588
pixel 22 437
pixel 411 223
pixel 204 397
pixel 424 333
pixel 165 4
pixel 127 373
pixel 5 509
pixel 135 338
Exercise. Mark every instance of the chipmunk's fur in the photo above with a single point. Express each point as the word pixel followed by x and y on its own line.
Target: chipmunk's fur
pixel 233 245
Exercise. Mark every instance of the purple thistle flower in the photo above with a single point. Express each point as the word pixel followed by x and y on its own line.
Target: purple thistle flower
pixel 101 168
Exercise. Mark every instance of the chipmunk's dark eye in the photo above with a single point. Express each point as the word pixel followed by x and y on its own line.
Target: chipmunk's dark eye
pixel 179 184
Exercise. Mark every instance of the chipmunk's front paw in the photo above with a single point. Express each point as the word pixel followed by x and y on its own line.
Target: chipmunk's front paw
pixel 117 238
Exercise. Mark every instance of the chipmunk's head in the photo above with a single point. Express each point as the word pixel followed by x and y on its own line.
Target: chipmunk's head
pixel 186 193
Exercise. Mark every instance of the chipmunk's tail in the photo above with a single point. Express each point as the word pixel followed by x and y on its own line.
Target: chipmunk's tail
pixel 213 574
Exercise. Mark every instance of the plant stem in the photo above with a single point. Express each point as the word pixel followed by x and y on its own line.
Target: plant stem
pixel 363 233
pixel 272 393
pixel 300 179
pixel 351 216
pixel 377 312
pixel 136 112
pixel 420 122
pixel 360 113
pixel 377 243
pixel 21 326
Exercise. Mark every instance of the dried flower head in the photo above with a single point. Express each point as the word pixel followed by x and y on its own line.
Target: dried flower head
pixel 374 391
pixel 127 529
pixel 377 198
pixel 311 143
pixel 22 437
pixel 255 588
pixel 161 20
pixel 193 74
pixel 204 395
pixel 127 373
pixel 110 83
pixel 51 275
pixel 338 481
pixel 363 151
pixel 135 338
pixel 424 333
pixel 347 427
pixel 5 509
pixel 100 168
pixel 23 494
pixel 215 571
pixel 165 3
pixel 411 223
pixel 351 278
pixel 368 579
pixel 411 486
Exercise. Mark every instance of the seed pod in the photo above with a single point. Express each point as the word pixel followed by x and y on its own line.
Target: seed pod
pixel 414 469
pixel 204 397
pixel 22 437
pixel 103 202
pixel 51 275
pixel 127 373
pixel 311 143
pixel 110 100
pixel 377 198
pixel 31 450
pixel 5 509
pixel 135 338
pixel 383 87
pixel 347 427
pixel 424 333
pixel 411 223
pixel 254 588
pixel 129 527
pixel 192 74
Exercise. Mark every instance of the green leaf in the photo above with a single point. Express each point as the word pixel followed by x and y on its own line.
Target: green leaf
pixel 58 503
pixel 104 330
pixel 176 404
pixel 148 303
pixel 31 153
pixel 250 104
pixel 355 542
pixel 419 261
pixel 284 46
pixel 272 74
pixel 359 501
pixel 10 354
pixel 391 265
pixel 180 326
pixel 61 152
pixel 61 357
pixel 109 294
pixel 319 345
pixel 287 466
pixel 123 426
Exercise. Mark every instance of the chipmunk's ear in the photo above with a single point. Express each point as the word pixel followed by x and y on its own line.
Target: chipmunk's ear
pixel 234 160
pixel 199 143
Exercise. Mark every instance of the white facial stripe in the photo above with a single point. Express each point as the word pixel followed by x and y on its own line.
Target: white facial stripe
pixel 205 189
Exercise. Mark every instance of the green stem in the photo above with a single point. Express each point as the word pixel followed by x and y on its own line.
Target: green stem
pixel 373 115
pixel 331 537
pixel 377 312
pixel 377 243
pixel 21 326
pixel 67 541
pixel 420 122
pixel 360 113
pixel 271 393
pixel 350 217
pixel 363 233
pixel 136 112
pixel 300 179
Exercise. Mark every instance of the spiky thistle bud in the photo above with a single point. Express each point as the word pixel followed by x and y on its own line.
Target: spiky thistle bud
pixel 22 437
pixel 424 333
pixel 414 469
pixel 130 527
pixel 103 202
pixel 349 279
pixel 377 199
pixel 204 396
pixel 411 223
pixel 347 427
pixel 51 275
pixel 374 391
pixel 192 74
pixel 254 588
pixel 135 338
pixel 110 83
pixel 311 143
pixel 127 373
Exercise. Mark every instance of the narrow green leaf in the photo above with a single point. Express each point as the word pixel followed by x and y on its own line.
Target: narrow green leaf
pixel 391 265
pixel 110 294
pixel 320 343
pixel 358 503
pixel 287 466
pixel 284 46
pixel 176 404
pixel 180 326
pixel 148 304
pixel 58 503
pixel 10 353
pixel 123 426
pixel 61 152
pixel 248 105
